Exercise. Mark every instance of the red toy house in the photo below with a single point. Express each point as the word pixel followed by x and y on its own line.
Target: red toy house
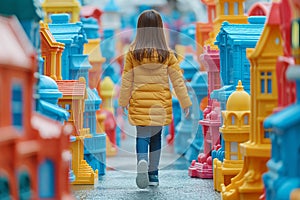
pixel 28 170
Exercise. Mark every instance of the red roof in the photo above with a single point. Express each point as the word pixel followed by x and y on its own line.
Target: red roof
pixel 90 11
pixel 71 87
pixel 259 9
pixel 15 48
pixel 274 15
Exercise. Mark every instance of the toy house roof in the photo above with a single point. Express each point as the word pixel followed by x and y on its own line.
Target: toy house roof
pixel 284 119
pixel 273 22
pixel 15 44
pixel 66 32
pixel 47 35
pixel 241 32
pixel 71 88
pixel 54 110
pixel 33 9
pixel 90 11
pixel 261 8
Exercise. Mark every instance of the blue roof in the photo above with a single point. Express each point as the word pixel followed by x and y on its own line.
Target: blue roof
pixel 284 119
pixel 48 88
pixel 219 93
pixel 240 32
pixel 64 31
pixel 93 96
pixel 54 110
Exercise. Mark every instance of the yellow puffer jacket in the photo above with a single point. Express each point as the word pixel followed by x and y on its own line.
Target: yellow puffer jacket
pixel 145 87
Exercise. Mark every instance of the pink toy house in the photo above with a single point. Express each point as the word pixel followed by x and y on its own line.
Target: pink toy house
pixel 211 117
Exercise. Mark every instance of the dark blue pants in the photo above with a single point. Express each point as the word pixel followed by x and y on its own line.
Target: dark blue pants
pixel 149 140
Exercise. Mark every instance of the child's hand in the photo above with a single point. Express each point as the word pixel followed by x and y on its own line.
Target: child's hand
pixel 186 111
pixel 125 108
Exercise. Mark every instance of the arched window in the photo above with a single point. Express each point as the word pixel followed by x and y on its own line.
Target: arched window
pixel 236 8
pixel 46 180
pixel 246 119
pixel 17 105
pixel 24 186
pixel 226 8
pixel 4 188
pixel 232 120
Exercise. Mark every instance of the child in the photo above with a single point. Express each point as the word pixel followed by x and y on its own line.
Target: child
pixel 145 91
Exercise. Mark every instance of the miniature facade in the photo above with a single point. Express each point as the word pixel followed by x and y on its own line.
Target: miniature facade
pixel 283 177
pixel 248 183
pixel 203 29
pixel 51 53
pixel 235 130
pixel 73 100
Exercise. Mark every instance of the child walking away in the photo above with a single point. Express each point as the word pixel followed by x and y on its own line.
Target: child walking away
pixel 145 91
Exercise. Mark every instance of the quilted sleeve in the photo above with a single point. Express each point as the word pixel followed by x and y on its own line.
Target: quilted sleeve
pixel 127 81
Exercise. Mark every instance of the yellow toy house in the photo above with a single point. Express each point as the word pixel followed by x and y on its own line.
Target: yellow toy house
pixel 235 130
pixel 74 94
pixel 227 10
pixel 71 7
pixel 248 184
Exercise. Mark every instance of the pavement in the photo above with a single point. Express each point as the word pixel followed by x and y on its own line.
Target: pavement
pixel 119 181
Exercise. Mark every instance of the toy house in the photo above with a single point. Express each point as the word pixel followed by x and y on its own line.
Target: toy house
pixel 78 65
pixel 203 29
pixel 51 53
pixel 248 183
pixel 61 6
pixel 235 130
pixel 28 171
pixel 282 176
pixel 73 100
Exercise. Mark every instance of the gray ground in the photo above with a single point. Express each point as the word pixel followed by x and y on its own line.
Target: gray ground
pixel 119 180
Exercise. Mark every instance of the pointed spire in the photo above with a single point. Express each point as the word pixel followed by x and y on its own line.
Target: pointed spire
pixel 240 87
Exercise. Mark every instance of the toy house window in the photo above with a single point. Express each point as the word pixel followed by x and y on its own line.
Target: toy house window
pixel 46 179
pixel 5 189
pixel 67 107
pixel 226 6
pixel 246 120
pixel 24 185
pixel 17 106
pixel 267 133
pixel 295 34
pixel 233 150
pixel 232 120
pixel 266 82
pixel 236 8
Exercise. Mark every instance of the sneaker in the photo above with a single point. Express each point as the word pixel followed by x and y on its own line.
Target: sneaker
pixel 142 179
pixel 153 180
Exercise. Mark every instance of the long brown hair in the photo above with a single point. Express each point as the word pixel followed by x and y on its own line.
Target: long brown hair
pixel 150 38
